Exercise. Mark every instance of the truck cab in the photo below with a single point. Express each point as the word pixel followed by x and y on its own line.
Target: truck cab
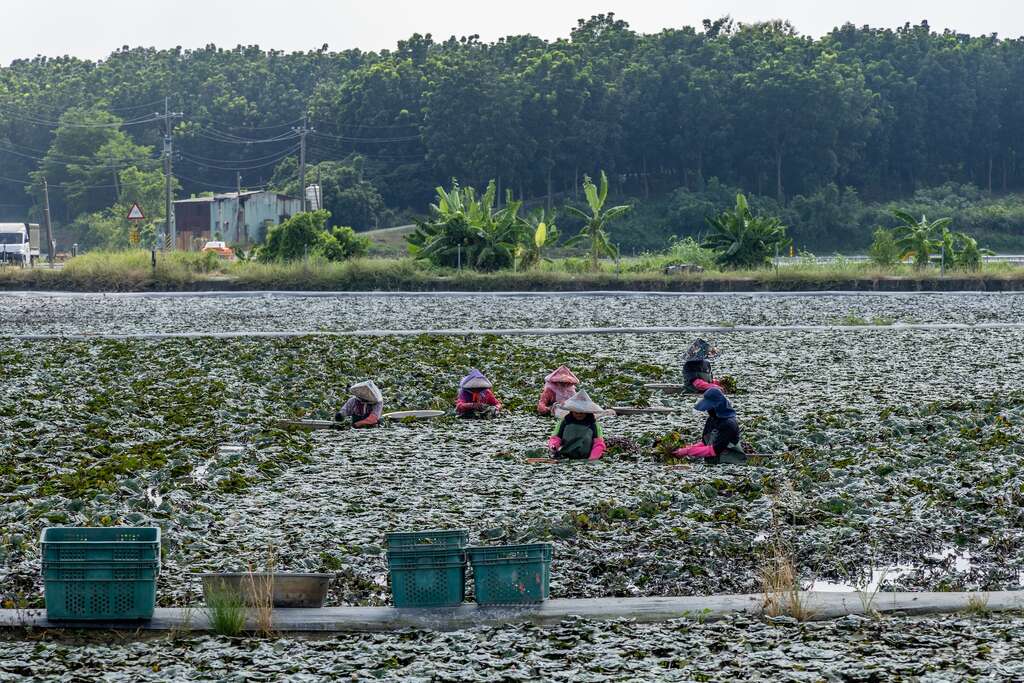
pixel 19 243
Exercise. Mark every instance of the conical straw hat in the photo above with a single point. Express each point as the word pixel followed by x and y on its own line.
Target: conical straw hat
pixel 581 403
pixel 367 391
pixel 562 375
pixel 475 380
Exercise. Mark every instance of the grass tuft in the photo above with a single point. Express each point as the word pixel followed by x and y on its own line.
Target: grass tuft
pixel 225 609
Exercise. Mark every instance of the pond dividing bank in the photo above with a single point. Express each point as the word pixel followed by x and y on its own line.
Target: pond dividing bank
pixel 817 605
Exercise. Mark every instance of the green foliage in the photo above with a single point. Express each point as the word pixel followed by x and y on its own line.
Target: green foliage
pixel 225 609
pixel 305 234
pixel 744 240
pixel 595 224
pixel 919 238
pixel 468 229
pixel 347 195
pixel 811 125
pixel 883 250
pixel 542 233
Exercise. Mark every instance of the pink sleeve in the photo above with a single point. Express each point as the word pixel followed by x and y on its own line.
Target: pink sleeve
pixel 554 443
pixel 491 399
pixel 547 397
pixel 702 386
pixel 597 450
pixel 697 450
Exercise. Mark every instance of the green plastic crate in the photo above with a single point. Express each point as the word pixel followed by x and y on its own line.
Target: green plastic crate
pixel 425 578
pixel 100 544
pixel 511 574
pixel 100 600
pixel 427 540
pixel 100 571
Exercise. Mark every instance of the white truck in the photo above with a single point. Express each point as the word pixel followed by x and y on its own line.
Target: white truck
pixel 19 243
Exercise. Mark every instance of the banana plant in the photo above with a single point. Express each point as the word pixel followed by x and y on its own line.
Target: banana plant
pixel 919 238
pixel 743 240
pixel 540 233
pixel 466 229
pixel 595 224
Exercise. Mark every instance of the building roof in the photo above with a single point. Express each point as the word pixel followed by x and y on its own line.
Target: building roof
pixel 234 195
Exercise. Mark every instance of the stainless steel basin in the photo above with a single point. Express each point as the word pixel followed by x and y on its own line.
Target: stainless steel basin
pixel 288 589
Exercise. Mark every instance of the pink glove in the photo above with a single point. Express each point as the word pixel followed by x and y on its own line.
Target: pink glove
pixel 697 450
pixel 702 386
pixel 554 443
pixel 598 449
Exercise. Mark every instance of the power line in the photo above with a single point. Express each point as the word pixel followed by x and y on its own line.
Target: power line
pixel 194 157
pixel 235 140
pixel 279 157
pixel 345 138
pixel 150 118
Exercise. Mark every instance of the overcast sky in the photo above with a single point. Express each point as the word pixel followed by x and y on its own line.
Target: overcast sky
pixel 93 28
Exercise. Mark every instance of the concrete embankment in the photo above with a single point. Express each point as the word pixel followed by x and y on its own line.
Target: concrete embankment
pixel 814 606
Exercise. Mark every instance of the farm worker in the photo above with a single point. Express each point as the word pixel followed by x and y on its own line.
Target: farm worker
pixel 475 399
pixel 365 405
pixel 697 367
pixel 559 387
pixel 578 435
pixel 720 442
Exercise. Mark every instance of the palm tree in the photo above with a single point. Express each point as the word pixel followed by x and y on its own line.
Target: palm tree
pixel 919 238
pixel 594 225
pixel 742 239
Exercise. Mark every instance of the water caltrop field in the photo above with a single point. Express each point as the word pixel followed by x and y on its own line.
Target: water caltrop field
pixel 891 459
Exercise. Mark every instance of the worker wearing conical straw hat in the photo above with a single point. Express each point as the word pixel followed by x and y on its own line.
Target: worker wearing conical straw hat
pixel 475 398
pixel 578 435
pixel 559 387
pixel 365 405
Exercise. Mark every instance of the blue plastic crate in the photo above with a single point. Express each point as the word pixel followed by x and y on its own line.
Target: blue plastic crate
pixel 424 578
pixel 100 544
pixel 511 574
pixel 427 540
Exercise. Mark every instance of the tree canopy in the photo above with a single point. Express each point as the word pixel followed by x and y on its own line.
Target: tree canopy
pixel 881 112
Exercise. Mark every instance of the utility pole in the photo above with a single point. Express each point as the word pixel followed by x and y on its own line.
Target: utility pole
pixel 239 218
pixel 50 246
pixel 302 158
pixel 170 232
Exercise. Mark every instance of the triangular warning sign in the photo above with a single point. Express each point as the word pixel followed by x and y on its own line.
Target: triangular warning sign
pixel 135 214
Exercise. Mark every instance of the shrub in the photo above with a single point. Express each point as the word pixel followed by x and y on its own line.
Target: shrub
pixel 883 250
pixel 305 234
pixel 744 240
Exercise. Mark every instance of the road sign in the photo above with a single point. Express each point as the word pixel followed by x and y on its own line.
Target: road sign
pixel 133 236
pixel 135 213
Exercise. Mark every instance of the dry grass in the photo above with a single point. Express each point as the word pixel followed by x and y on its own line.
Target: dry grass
pixel 781 586
pixel 977 604
pixel 261 586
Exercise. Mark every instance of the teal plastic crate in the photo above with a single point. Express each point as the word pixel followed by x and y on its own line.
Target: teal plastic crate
pixel 425 578
pixel 100 544
pixel 100 600
pixel 427 540
pixel 100 571
pixel 511 574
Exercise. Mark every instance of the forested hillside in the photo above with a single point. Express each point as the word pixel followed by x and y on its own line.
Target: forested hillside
pixel 825 132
